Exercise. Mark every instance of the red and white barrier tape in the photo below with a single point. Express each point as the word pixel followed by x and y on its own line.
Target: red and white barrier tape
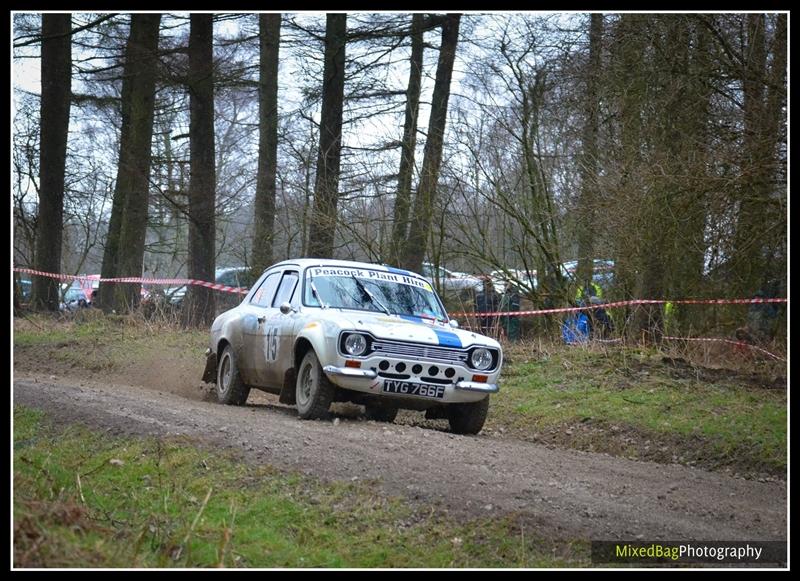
pixel 230 289
pixel 728 341
pixel 619 304
pixel 153 281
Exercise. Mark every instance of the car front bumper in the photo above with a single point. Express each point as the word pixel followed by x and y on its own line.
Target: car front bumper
pixel 367 380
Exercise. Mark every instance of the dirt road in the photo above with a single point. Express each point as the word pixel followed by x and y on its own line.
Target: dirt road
pixel 562 494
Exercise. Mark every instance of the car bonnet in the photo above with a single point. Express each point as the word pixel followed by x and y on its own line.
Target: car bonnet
pixel 417 329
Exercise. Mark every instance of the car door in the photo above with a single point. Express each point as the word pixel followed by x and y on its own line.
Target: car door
pixel 279 338
pixel 257 312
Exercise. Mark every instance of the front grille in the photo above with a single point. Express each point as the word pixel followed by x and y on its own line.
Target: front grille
pixel 386 375
pixel 437 380
pixel 418 351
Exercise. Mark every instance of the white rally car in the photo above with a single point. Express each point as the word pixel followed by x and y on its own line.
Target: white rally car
pixel 316 331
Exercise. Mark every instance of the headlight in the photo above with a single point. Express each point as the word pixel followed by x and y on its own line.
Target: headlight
pixel 355 344
pixel 481 359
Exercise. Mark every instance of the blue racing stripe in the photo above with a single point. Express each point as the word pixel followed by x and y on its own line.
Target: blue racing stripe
pixel 448 339
pixel 411 318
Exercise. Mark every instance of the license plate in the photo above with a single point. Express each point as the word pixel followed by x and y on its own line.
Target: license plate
pixel 410 388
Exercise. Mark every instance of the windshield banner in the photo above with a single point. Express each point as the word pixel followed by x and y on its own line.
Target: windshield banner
pixel 375 275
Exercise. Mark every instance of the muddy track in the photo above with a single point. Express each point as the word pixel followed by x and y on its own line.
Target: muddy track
pixel 563 494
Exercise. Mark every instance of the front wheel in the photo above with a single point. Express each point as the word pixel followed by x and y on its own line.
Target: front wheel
pixel 468 418
pixel 231 390
pixel 314 391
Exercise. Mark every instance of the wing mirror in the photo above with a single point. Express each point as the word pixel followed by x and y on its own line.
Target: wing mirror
pixel 454 323
pixel 286 308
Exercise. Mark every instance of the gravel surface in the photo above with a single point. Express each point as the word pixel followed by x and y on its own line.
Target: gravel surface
pixel 562 494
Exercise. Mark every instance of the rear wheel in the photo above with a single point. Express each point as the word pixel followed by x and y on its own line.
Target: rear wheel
pixel 231 390
pixel 468 418
pixel 379 413
pixel 314 391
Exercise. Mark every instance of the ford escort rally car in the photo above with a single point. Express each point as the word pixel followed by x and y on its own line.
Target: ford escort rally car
pixel 316 331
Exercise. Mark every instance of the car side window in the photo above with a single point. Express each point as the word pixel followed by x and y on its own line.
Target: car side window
pixel 286 289
pixel 263 296
pixel 227 278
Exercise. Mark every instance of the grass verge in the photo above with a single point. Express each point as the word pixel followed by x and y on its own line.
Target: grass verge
pixel 643 404
pixel 92 341
pixel 83 499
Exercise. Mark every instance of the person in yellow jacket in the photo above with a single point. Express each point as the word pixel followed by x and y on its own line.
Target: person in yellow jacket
pixel 669 317
pixel 592 294
pixel 585 292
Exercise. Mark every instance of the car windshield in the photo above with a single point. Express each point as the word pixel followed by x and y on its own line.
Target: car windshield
pixel 74 294
pixel 350 288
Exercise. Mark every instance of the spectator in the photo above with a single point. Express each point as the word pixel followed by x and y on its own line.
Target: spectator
pixel 762 318
pixel 511 302
pixel 486 301
pixel 599 321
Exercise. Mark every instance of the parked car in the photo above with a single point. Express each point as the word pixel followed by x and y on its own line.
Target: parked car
pixel 236 276
pixel 449 281
pixel 527 282
pixel 23 289
pixel 603 271
pixel 90 284
pixel 73 298
pixel 317 331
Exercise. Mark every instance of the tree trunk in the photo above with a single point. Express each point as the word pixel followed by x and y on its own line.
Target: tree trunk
pixel 326 187
pixel 200 307
pixel 750 227
pixel 414 250
pixel 673 210
pixel 761 204
pixel 109 268
pixel 630 87
pixel 776 265
pixel 124 252
pixel 269 35
pixel 402 203
pixel 56 90
pixel 687 252
pixel 588 168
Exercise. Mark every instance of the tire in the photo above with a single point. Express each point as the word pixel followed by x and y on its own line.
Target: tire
pixel 231 390
pixel 379 413
pixel 313 390
pixel 468 418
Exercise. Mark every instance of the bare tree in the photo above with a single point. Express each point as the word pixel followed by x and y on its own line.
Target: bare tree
pixel 402 204
pixel 124 251
pixel 56 88
pixel 269 36
pixel 200 307
pixel 326 188
pixel 762 88
pixel 414 249
pixel 586 204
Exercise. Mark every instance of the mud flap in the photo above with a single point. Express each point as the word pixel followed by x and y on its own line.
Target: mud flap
pixel 288 393
pixel 210 372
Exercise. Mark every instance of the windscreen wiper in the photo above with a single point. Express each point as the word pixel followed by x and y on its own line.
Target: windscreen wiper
pixel 437 319
pixel 315 292
pixel 371 296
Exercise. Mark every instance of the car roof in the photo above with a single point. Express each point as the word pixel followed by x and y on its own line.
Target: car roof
pixel 220 271
pixel 306 262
